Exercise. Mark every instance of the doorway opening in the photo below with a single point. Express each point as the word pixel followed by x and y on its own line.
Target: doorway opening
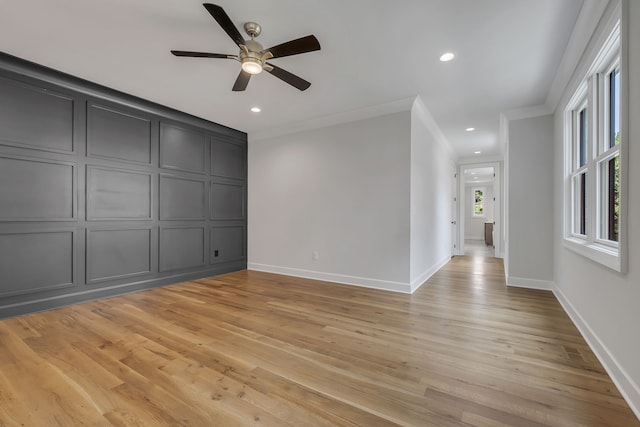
pixel 479 210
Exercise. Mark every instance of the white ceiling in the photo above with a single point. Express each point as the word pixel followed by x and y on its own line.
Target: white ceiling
pixel 373 52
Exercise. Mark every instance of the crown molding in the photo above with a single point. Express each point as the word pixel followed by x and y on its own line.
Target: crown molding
pixel 335 119
pixel 590 14
pixel 528 112
pixel 427 119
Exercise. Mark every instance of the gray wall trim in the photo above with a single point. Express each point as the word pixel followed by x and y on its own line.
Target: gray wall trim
pixel 240 186
pixel 89 261
pixel 49 92
pixel 165 179
pixel 221 142
pixel 92 170
pixel 222 257
pixel 91 197
pixel 91 108
pixel 48 303
pixel 73 191
pixel 30 71
pixel 168 163
pixel 50 287
pixel 179 250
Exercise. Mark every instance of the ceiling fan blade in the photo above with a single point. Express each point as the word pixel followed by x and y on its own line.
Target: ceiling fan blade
pixel 200 54
pixel 242 81
pixel 287 77
pixel 295 47
pixel 224 21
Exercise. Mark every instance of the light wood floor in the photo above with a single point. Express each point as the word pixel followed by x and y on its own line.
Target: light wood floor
pixel 474 247
pixel 252 348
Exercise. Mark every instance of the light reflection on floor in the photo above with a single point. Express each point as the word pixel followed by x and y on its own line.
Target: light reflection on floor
pixel 478 250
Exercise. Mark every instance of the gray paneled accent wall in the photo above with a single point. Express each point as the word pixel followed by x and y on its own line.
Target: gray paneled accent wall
pixel 103 193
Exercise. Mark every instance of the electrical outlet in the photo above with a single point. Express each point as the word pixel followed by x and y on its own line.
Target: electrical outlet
pixel 315 255
pixel 215 253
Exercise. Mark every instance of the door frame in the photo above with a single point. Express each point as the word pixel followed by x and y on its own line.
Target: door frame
pixel 498 237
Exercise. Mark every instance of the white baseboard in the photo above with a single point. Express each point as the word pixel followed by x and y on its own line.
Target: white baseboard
pixel 519 282
pixel 627 387
pixel 330 277
pixel 415 285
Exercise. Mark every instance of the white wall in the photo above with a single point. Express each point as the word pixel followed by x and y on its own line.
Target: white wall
pixel 474 226
pixel 342 191
pixel 530 202
pixel 432 184
pixel 605 304
pixel 371 197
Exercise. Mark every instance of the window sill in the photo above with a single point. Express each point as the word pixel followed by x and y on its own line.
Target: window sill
pixel 609 257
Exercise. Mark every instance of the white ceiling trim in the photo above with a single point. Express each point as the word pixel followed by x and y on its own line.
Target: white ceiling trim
pixel 428 120
pixel 528 112
pixel 588 19
pixel 335 119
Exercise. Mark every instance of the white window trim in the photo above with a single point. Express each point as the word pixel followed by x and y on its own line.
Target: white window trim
pixel 610 254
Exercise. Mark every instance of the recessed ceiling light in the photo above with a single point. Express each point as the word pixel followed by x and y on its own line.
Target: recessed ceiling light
pixel 477 152
pixel 474 173
pixel 470 129
pixel 447 57
pixel 256 109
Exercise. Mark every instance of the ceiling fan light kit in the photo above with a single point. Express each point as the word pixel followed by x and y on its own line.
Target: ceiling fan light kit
pixel 252 56
pixel 252 65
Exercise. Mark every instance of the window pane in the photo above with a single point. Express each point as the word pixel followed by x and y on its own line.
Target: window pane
pixel 583 204
pixel 580 203
pixel 614 108
pixel 478 205
pixel 614 199
pixel 582 137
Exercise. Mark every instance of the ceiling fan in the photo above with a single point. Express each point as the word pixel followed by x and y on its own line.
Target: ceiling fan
pixel 253 57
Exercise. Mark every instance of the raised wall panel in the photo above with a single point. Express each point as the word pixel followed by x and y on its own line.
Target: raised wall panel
pixel 34 189
pixel 182 149
pixel 227 244
pixel 181 247
pixel 117 194
pixel 35 118
pixel 115 254
pixel 36 261
pixel 181 198
pixel 227 159
pixel 117 135
pixel 227 201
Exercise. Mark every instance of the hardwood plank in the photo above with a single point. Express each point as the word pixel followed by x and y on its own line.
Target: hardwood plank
pixel 252 348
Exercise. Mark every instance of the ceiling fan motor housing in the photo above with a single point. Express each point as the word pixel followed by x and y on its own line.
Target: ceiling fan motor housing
pixel 253 29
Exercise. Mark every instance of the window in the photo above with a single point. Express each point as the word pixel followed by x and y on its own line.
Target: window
pixel 478 202
pixel 593 154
